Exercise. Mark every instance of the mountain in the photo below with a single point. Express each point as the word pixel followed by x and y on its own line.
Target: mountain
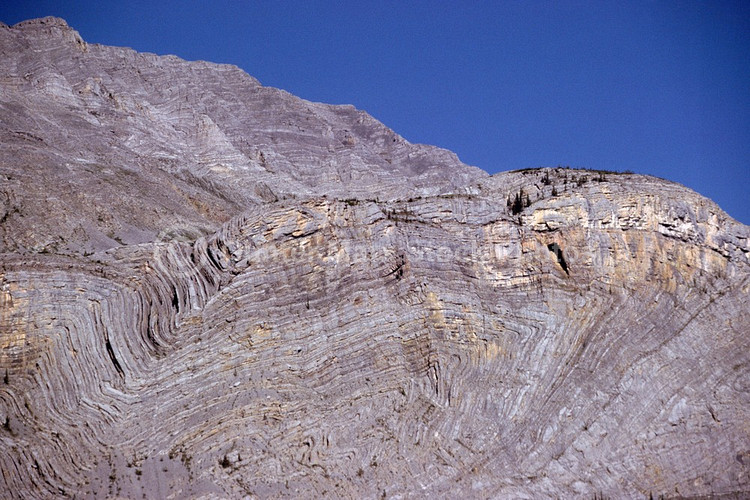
pixel 214 289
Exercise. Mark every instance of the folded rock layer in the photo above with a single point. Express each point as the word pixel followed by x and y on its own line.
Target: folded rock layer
pixel 211 289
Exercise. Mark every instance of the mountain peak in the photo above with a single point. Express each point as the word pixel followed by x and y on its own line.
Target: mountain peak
pixel 50 27
pixel 42 22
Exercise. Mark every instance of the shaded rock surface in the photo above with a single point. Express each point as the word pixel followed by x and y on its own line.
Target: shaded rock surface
pixel 210 288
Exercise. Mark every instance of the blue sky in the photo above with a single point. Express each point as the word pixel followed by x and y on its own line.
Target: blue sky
pixel 661 88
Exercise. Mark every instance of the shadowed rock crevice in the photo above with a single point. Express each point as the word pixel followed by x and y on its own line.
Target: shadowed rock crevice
pixel 558 253
pixel 113 358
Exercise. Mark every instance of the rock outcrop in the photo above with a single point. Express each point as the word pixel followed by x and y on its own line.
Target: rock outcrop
pixel 210 288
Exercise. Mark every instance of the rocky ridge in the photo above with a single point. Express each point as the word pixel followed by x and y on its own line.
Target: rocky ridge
pixel 210 288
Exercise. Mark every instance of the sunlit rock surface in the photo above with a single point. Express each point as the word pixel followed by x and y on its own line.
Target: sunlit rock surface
pixel 212 289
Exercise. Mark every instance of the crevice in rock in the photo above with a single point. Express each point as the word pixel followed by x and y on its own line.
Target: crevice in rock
pixel 175 301
pixel 555 249
pixel 111 354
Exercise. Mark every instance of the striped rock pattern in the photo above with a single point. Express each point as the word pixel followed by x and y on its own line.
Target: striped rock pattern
pixel 207 326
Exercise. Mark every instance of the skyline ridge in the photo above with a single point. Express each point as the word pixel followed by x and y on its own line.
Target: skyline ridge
pixel 646 87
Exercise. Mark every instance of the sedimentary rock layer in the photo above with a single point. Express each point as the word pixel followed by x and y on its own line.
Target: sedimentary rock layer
pixel 347 316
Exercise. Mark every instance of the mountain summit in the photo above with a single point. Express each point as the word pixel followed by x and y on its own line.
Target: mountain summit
pixel 211 288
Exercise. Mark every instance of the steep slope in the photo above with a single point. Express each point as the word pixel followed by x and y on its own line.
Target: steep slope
pixel 413 333
pixel 85 126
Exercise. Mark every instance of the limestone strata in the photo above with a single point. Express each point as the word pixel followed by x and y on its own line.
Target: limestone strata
pixel 104 145
pixel 410 334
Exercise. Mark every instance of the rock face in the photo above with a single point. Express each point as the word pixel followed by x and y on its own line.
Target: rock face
pixel 210 288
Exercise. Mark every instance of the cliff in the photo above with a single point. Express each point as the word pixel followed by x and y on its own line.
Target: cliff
pixel 210 288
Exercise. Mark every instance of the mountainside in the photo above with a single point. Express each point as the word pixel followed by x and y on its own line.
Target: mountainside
pixel 210 288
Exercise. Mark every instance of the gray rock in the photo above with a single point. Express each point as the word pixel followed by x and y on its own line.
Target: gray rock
pixel 210 288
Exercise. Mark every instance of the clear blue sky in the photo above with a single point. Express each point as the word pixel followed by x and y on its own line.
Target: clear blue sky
pixel 661 88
